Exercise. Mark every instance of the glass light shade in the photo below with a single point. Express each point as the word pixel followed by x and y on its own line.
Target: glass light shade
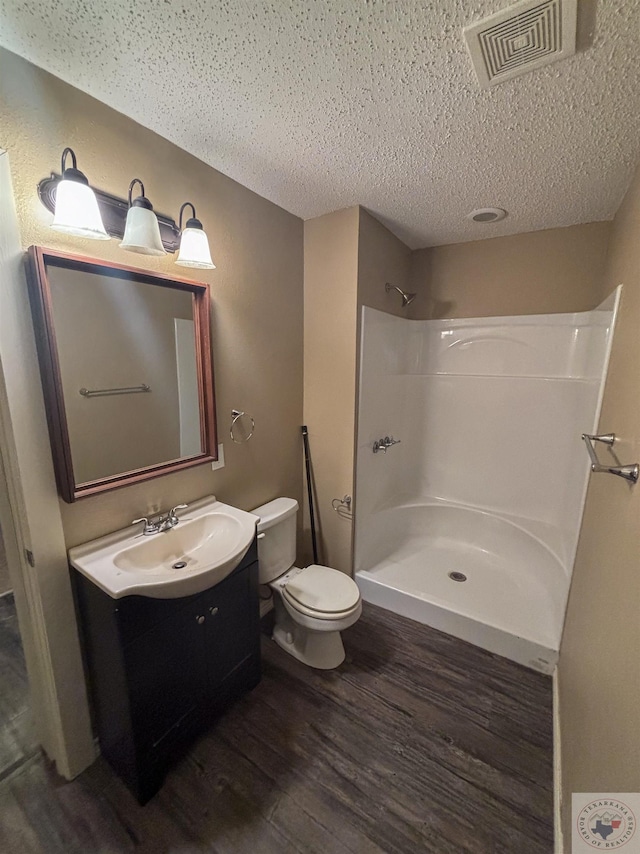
pixel 77 211
pixel 194 250
pixel 142 232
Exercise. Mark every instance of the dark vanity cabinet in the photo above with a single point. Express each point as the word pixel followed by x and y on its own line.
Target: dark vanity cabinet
pixel 161 670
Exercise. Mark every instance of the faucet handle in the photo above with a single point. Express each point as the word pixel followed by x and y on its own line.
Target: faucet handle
pixel 172 512
pixel 171 515
pixel 149 527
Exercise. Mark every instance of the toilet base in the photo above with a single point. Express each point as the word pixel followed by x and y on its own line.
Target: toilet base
pixel 322 650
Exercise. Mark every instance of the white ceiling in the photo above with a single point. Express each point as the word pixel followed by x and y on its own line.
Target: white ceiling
pixel 322 104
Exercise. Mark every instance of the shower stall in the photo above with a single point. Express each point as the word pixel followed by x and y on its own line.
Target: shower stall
pixel 469 523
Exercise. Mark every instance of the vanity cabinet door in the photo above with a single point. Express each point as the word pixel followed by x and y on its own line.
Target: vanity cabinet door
pixel 233 630
pixel 166 675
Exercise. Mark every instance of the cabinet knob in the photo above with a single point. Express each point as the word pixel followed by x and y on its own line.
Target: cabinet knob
pixel 213 611
pixel 200 620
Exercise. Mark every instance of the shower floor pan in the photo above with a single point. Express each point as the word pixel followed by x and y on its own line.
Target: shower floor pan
pixel 510 602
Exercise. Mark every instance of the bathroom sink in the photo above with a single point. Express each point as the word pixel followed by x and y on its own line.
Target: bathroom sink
pixel 204 547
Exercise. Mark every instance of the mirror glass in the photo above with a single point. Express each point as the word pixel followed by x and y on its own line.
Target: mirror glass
pixel 128 369
pixel 127 373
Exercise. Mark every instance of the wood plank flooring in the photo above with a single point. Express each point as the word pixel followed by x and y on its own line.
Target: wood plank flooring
pixel 418 743
pixel 17 736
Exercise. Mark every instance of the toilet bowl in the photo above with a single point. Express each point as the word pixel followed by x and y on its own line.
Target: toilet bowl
pixel 312 604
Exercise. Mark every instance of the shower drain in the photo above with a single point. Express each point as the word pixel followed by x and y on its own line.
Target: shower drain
pixel 457 576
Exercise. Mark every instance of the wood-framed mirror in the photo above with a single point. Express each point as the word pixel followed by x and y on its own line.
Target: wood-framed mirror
pixel 127 371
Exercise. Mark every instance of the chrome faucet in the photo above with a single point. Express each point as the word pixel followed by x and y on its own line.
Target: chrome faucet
pixel 383 444
pixel 162 523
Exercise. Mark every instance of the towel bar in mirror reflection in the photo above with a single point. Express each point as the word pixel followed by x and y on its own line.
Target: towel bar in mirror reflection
pixel 103 392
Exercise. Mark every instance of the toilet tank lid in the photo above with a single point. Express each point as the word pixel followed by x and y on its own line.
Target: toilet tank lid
pixel 275 511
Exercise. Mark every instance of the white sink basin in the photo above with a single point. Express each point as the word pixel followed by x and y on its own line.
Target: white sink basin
pixel 211 539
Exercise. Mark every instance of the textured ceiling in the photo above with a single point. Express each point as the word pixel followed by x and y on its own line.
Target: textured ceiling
pixel 322 104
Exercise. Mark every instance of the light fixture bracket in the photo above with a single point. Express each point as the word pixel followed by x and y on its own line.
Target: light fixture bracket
pixel 140 201
pixel 192 222
pixel 114 212
pixel 72 173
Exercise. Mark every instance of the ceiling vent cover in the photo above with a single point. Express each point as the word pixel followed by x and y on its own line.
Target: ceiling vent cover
pixel 523 37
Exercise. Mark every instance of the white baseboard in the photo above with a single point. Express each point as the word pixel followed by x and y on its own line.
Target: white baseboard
pixel 558 838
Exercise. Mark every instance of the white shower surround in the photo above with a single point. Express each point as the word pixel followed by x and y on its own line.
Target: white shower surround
pixel 491 473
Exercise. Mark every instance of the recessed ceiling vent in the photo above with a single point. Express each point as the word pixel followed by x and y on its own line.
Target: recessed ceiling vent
pixel 523 37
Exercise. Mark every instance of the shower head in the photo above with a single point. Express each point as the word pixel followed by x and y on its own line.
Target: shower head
pixel 407 299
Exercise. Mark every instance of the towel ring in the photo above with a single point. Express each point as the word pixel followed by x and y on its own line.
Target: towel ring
pixel 236 415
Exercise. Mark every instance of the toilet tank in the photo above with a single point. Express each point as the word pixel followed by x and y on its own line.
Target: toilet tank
pixel 277 548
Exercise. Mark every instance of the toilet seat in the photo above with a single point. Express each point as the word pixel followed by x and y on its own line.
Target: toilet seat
pixel 322 592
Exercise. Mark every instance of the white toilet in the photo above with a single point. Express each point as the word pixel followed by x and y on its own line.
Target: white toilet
pixel 312 605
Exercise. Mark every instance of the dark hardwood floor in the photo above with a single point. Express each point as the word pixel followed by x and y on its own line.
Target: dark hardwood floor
pixel 418 743
pixel 17 736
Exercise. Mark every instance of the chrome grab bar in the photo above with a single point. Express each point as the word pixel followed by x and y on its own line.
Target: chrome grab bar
pixel 630 472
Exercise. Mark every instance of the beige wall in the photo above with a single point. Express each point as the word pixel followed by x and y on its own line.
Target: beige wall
pixel 382 258
pixel 349 256
pixel 557 270
pixel 256 289
pixel 5 582
pixel 330 318
pixel 599 671
pixel 31 520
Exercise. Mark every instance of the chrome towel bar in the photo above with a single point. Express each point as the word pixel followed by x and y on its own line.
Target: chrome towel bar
pixel 630 472
pixel 103 392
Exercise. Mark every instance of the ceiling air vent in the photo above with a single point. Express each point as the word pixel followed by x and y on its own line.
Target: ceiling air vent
pixel 519 39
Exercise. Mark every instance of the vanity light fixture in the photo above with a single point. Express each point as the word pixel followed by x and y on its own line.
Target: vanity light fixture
pixel 76 207
pixel 194 245
pixel 141 232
